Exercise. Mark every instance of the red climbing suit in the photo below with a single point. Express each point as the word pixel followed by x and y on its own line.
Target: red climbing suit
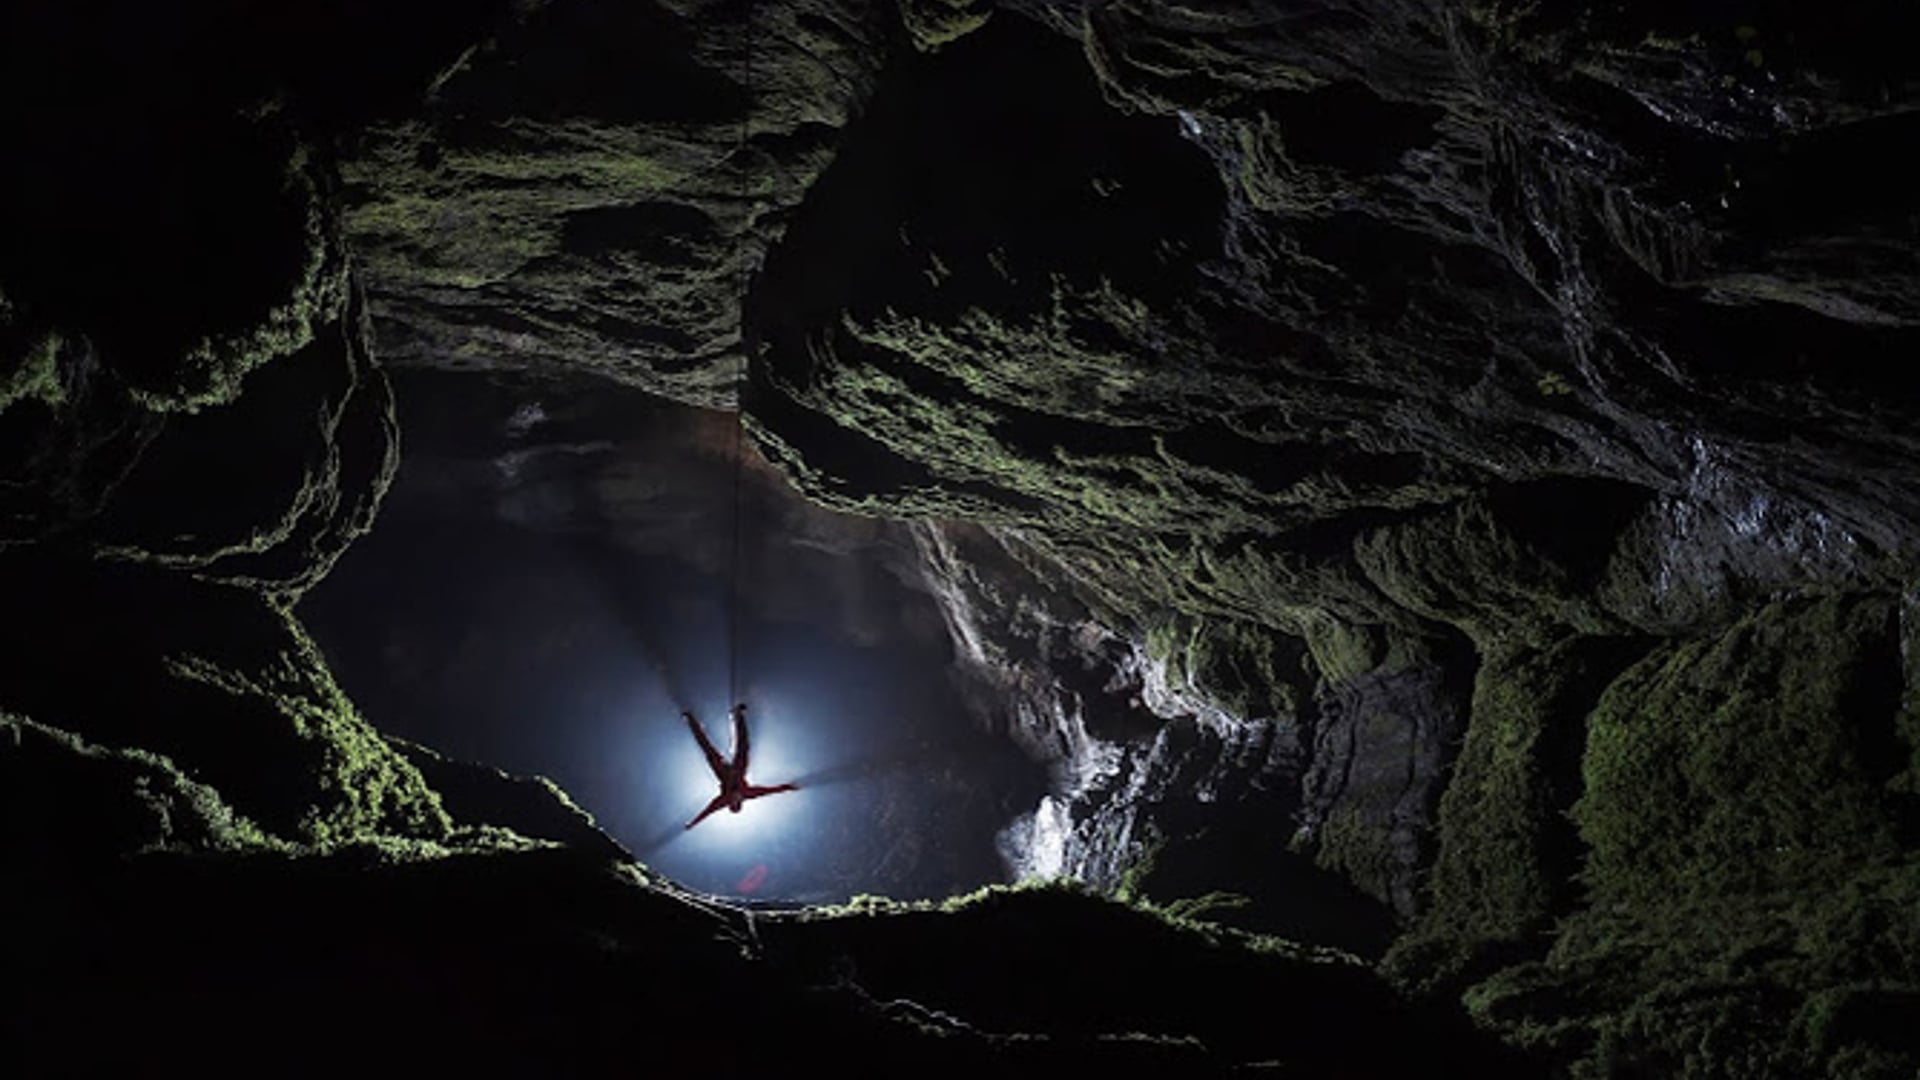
pixel 734 789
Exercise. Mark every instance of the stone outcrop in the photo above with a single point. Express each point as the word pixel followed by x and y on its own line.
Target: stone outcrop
pixel 587 190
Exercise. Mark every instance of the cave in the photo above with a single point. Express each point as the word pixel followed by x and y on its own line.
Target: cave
pixel 1343 538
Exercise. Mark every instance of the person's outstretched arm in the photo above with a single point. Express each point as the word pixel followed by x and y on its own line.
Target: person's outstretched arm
pixel 714 761
pixel 718 802
pixel 754 791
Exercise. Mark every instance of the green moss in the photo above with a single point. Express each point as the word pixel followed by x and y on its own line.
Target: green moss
pixel 1506 846
pixel 34 373
pixel 1084 336
pixel 1196 909
pixel 1670 43
pixel 1246 670
pixel 1277 182
pixel 866 904
pixel 1187 914
pixel 362 786
pixel 935 23
pixel 1079 966
pixel 88 801
pixel 1750 986
pixel 1066 423
pixel 1129 889
pixel 1184 915
pixel 210 370
pixel 1507 852
pixel 1493 876
pixel 978 405
pixel 1467 565
pixel 486 214
pixel 1746 874
pixel 322 444
pixel 373 850
pixel 1738 762
pixel 1354 840
pixel 224 684
pixel 985 421
pixel 1342 650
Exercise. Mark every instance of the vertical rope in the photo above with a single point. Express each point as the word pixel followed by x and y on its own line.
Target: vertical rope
pixel 740 379
pixel 733 582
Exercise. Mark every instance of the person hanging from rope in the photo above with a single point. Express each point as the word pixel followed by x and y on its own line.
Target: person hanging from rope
pixel 734 789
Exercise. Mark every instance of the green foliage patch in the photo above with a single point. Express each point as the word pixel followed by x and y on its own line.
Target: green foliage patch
pixel 224 684
pixel 1507 851
pixel 1745 761
pixel 1247 670
pixel 33 373
pixel 69 799
pixel 1750 895
pixel 361 785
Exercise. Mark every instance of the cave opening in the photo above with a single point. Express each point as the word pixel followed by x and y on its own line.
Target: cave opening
pixel 547 588
pixel 550 583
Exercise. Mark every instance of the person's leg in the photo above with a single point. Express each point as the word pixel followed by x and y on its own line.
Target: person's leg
pixel 714 761
pixel 740 740
pixel 718 802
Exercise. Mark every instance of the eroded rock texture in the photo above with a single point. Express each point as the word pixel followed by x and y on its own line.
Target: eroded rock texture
pixel 1438 472
pixel 587 190
pixel 1377 393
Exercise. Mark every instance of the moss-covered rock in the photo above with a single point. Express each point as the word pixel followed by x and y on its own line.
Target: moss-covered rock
pixel 68 800
pixel 1062 976
pixel 933 23
pixel 570 960
pixel 1248 671
pixel 1341 390
pixel 68 431
pixel 481 796
pixel 1517 565
pixel 588 189
pixel 29 362
pixel 222 683
pixel 1747 868
pixel 1507 855
pixel 306 456
pixel 1755 760
pixel 188 237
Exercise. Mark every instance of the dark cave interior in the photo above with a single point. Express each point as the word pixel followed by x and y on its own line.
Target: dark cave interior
pixel 1357 538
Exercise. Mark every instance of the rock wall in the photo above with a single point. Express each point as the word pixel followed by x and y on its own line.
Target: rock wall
pixel 586 189
pixel 1355 404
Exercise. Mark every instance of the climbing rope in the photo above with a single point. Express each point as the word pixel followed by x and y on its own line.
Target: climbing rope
pixel 740 379
pixel 733 572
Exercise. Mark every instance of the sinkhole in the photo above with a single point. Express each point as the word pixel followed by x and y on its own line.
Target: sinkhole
pixel 553 579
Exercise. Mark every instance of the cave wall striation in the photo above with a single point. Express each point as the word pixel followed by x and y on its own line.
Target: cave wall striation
pixel 1458 445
